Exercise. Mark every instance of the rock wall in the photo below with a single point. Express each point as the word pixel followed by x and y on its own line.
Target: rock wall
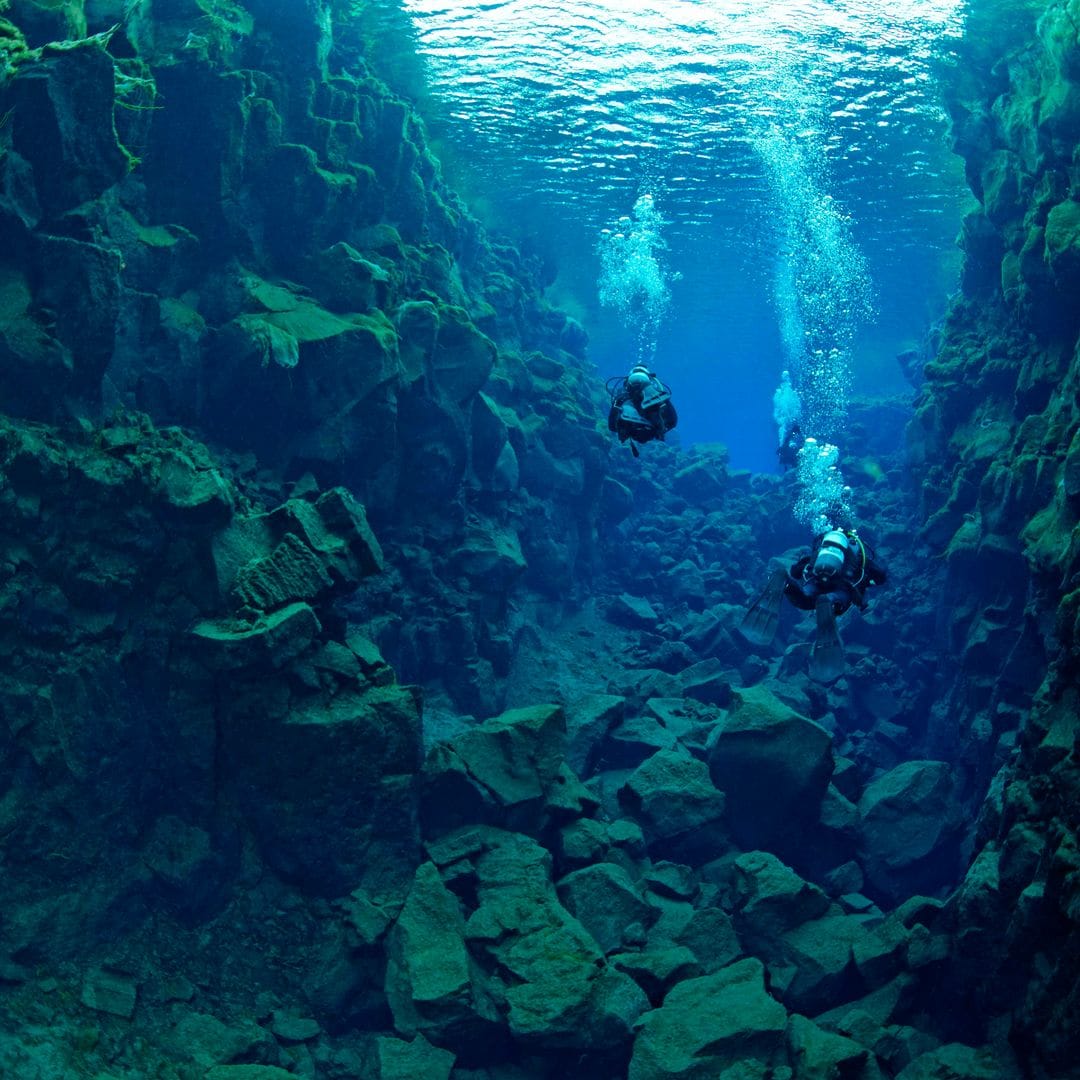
pixel 173 666
pixel 996 441
pixel 215 214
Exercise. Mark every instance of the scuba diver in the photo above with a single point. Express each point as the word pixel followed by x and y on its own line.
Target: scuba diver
pixel 835 575
pixel 788 451
pixel 787 408
pixel 641 408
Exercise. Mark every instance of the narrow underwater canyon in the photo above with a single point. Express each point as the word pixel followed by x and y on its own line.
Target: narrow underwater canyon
pixel 368 714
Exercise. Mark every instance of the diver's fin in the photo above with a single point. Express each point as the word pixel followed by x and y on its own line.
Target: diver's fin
pixel 760 622
pixel 827 659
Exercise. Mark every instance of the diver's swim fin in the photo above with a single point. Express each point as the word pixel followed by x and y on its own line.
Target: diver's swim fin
pixel 827 659
pixel 760 622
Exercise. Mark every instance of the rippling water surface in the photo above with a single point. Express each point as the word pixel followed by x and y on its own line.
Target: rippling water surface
pixel 745 121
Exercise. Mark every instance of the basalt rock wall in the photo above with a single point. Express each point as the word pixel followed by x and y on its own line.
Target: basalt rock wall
pixel 996 440
pixel 213 213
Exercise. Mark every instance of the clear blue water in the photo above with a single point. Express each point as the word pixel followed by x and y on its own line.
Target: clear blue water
pixel 796 153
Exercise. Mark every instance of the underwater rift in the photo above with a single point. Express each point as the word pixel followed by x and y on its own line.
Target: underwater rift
pixel 524 555
pixel 768 135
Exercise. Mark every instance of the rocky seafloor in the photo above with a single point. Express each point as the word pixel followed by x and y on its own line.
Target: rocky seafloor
pixel 366 714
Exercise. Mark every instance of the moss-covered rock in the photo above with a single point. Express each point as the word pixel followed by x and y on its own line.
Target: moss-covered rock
pixel 429 983
pixel 349 282
pixel 497 772
pixel 679 810
pixel 821 1055
pixel 959 1061
pixel 605 901
pixel 770 898
pixel 397 1059
pixel 710 935
pixel 62 99
pixel 328 786
pixel 209 1043
pixel 709 1025
pixel 1063 243
pixel 246 1072
pixel 462 357
pixel 491 560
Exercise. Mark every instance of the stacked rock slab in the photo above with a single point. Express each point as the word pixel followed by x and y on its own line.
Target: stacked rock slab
pixel 172 648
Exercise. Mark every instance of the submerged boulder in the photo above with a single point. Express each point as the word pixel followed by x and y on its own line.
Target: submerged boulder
pixel 955 1061
pixel 770 898
pixel 657 970
pixel 671 796
pixel 283 377
pixel 710 935
pixel 1063 244
pixel 817 1054
pixel 908 829
pixel 429 983
pixel 710 1024
pixel 328 787
pixel 774 766
pixel 463 357
pixel 543 969
pixel 497 772
pixel 605 901
pixel 348 281
pixel 633 612
pixel 397 1059
pixel 817 962
pixel 491 559
pixel 589 720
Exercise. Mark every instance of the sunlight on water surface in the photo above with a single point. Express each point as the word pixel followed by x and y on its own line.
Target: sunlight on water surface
pixel 774 137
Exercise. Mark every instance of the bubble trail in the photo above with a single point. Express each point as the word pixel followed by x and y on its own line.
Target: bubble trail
pixel 823 498
pixel 633 278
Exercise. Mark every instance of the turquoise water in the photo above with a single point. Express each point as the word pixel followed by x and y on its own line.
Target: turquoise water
pixel 796 154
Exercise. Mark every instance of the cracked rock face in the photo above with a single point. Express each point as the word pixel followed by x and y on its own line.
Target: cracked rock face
pixel 999 401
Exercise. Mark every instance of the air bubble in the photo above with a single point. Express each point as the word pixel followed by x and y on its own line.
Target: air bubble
pixel 633 279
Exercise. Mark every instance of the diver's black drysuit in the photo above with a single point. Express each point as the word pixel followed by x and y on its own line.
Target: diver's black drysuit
pixel 642 415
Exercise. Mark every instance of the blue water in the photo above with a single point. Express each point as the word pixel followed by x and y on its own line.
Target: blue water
pixel 796 153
